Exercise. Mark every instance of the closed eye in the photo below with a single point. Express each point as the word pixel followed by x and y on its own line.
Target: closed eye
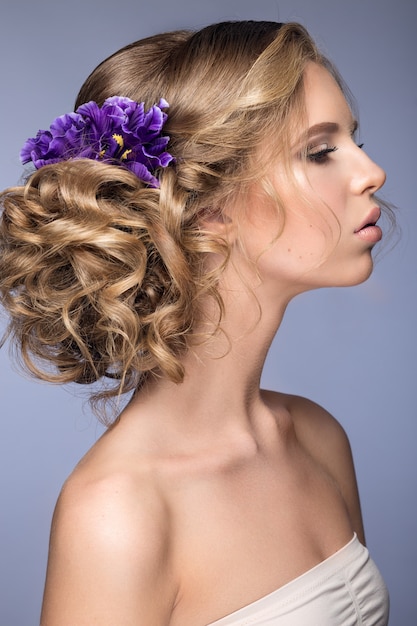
pixel 320 155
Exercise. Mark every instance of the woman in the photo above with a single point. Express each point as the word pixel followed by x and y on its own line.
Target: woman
pixel 204 181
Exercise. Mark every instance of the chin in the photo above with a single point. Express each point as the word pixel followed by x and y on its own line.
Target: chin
pixel 358 277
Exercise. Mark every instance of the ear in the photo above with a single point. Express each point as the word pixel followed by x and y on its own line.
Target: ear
pixel 217 221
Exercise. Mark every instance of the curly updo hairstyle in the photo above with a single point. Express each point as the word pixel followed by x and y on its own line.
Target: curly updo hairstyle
pixel 103 276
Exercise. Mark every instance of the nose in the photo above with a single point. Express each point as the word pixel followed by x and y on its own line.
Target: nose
pixel 369 177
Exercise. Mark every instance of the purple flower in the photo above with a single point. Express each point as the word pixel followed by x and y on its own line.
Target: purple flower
pixel 120 132
pixel 61 141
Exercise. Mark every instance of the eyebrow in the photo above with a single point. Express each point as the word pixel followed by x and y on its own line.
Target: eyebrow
pixel 329 128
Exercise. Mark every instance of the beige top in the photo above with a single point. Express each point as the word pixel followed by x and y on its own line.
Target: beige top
pixel 344 590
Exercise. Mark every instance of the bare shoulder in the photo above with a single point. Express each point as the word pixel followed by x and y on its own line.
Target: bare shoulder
pixel 109 553
pixel 316 428
pixel 326 441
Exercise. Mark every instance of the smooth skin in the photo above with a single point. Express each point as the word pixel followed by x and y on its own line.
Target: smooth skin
pixel 206 496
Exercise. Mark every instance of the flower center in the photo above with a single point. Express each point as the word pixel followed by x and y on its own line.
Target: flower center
pixel 119 140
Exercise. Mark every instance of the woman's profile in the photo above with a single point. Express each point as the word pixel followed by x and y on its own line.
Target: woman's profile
pixel 203 181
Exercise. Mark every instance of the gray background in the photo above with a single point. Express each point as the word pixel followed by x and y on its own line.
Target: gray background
pixel 352 350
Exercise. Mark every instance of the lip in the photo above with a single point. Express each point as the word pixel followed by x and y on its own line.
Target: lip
pixel 371 219
pixel 369 231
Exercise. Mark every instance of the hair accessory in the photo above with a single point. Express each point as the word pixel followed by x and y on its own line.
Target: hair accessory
pixel 120 132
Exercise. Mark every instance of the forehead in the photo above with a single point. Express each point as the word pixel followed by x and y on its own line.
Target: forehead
pixel 324 100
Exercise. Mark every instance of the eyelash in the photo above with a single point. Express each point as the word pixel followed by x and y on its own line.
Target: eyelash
pixel 321 156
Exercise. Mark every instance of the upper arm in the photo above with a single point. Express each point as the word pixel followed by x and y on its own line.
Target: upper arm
pixel 327 442
pixel 109 558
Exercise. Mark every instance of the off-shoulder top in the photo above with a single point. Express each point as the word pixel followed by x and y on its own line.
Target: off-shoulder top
pixel 344 590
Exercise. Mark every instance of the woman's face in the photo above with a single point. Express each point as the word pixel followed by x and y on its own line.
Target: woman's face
pixel 330 210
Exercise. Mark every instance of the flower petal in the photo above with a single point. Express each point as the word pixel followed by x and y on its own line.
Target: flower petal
pixel 120 131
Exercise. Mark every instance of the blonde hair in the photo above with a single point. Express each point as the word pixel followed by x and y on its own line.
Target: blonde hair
pixel 103 276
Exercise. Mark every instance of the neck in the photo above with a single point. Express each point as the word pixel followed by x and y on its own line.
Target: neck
pixel 222 374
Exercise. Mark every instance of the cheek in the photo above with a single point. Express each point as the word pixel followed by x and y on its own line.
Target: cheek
pixel 326 186
pixel 325 202
pixel 301 248
pixel 298 232
pixel 262 223
pixel 312 225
